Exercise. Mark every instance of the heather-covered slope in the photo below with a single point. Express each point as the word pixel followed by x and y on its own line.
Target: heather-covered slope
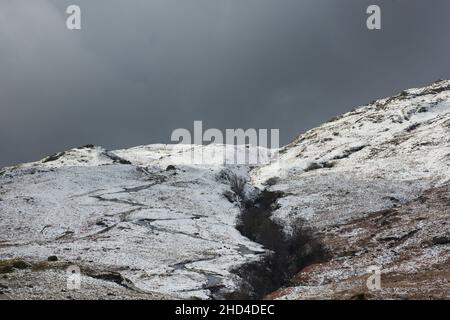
pixel 409 243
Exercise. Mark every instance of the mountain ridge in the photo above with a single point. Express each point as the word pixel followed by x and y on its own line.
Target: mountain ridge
pixel 161 227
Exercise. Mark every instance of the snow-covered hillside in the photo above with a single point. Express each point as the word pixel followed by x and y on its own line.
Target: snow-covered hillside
pixel 366 160
pixel 164 226
pixel 372 164
pixel 147 223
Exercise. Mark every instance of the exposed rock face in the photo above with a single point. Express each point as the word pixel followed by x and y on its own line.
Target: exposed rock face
pixel 374 185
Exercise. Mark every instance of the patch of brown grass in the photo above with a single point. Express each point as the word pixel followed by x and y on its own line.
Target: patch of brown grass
pixel 8 266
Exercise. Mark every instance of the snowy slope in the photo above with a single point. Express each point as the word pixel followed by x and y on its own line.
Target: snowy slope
pixel 147 223
pixel 374 184
pixel 366 160
pixel 167 230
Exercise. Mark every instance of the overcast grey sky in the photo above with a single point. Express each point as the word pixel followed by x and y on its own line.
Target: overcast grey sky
pixel 141 68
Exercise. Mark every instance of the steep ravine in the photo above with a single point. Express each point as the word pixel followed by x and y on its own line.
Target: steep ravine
pixel 287 253
pixel 372 184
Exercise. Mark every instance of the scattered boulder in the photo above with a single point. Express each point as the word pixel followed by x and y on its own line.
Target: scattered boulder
pixel 315 165
pixel 348 152
pixel 53 157
pixel 88 146
pixel 412 127
pixel 440 240
pixel 271 181
pixel 230 196
pixel 6 269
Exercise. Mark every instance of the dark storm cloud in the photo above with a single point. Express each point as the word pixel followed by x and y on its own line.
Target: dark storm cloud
pixel 139 69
